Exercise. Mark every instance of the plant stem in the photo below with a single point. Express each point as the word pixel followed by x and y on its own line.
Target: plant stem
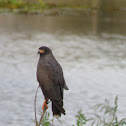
pixel 35 106
pixel 41 117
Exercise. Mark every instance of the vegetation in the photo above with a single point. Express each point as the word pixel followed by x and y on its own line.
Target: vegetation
pixel 81 119
pixel 108 115
pixel 45 120
pixel 105 115
pixel 20 6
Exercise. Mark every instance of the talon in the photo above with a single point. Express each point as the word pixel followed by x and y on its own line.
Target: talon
pixel 45 106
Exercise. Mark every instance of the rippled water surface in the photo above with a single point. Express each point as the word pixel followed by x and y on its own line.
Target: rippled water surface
pixel 91 50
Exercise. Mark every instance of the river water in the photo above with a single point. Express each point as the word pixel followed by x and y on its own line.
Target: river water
pixel 91 49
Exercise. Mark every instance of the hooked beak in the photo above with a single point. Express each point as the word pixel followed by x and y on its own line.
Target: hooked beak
pixel 40 51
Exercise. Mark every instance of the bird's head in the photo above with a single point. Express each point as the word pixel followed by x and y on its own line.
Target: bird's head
pixel 44 51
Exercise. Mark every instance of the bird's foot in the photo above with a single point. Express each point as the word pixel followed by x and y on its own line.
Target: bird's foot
pixel 45 106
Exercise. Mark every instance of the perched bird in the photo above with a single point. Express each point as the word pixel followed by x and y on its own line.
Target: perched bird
pixel 51 80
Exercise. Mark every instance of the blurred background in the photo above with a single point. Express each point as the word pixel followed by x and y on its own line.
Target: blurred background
pixel 87 37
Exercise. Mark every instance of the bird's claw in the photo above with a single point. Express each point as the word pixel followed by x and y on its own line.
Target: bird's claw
pixel 45 106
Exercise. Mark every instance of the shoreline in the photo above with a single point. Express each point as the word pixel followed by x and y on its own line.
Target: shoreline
pixel 19 7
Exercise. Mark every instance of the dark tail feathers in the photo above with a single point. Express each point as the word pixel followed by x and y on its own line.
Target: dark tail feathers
pixel 57 108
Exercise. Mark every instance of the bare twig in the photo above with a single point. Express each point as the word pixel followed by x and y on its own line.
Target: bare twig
pixel 52 120
pixel 35 106
pixel 41 117
pixel 59 121
pixel 37 124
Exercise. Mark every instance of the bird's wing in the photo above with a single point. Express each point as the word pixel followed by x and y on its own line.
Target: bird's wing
pixel 55 89
pixel 51 80
pixel 56 75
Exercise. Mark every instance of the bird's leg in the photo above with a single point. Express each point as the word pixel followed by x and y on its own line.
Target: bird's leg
pixel 45 106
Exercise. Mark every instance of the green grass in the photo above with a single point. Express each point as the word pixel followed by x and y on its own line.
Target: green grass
pixel 104 115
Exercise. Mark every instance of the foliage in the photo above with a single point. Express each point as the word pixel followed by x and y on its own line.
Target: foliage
pixel 22 7
pixel 109 115
pixel 45 120
pixel 81 119
pixel 105 115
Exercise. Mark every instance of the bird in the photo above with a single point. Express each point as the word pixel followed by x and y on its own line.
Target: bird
pixel 51 80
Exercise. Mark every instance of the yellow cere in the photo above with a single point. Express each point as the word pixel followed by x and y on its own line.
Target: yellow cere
pixel 41 51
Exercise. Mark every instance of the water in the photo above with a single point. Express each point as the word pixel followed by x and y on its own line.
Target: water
pixel 91 50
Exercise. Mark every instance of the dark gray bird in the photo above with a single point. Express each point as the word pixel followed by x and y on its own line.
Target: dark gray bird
pixel 51 80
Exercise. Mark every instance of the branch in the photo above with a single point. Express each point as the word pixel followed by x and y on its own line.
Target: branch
pixel 35 106
pixel 37 124
pixel 41 117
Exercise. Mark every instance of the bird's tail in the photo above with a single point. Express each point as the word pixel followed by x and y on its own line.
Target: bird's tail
pixel 57 108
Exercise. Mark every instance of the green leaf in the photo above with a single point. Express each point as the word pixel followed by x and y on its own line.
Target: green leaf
pixel 116 99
